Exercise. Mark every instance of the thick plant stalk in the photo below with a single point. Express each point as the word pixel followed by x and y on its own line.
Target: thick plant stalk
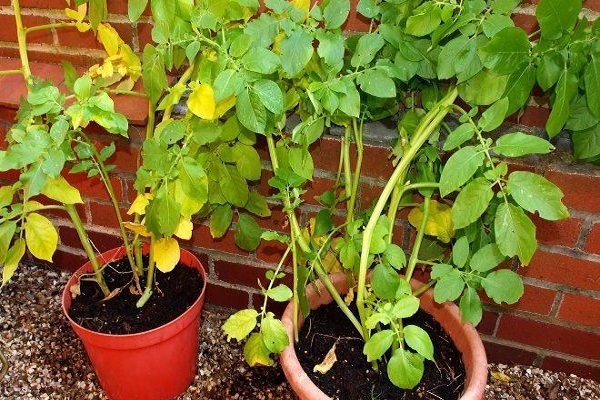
pixel 427 126
pixel 22 41
pixel 414 257
pixel 149 276
pixel 87 247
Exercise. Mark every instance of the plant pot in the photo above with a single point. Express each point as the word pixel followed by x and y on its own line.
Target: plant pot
pixel 465 338
pixel 153 365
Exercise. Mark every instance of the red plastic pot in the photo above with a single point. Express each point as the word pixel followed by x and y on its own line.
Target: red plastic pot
pixel 153 365
pixel 465 338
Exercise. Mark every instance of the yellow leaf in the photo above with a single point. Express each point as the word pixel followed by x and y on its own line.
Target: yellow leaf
pixel 202 101
pixel 60 190
pixel 166 254
pixel 277 42
pixel 500 376
pixel 13 256
pixel 32 206
pixel 184 229
pixel 224 106
pixel 328 361
pixel 140 229
pixel 439 223
pixel 127 84
pixel 301 5
pixel 139 204
pixel 82 26
pixel 79 14
pixel 41 236
pixel 109 38
pixel 190 205
pixel 255 351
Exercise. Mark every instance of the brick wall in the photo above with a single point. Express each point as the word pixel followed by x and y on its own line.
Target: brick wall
pixel 557 323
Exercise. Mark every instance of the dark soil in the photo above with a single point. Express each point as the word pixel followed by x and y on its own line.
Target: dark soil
pixel 353 378
pixel 174 293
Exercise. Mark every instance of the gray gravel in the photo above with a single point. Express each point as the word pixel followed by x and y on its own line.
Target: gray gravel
pixel 47 361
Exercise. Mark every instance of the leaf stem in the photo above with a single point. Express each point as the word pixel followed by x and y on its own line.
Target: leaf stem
pixel 149 276
pixel 414 256
pixel 50 26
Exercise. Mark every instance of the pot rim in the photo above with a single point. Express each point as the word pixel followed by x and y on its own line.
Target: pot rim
pixel 116 253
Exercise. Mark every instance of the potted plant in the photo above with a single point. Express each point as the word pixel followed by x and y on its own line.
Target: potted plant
pixel 49 141
pixel 469 210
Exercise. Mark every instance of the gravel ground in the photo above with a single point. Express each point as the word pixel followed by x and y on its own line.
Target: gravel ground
pixel 47 361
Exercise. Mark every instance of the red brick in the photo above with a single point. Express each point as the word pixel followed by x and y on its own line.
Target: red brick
pixel 104 215
pixel 532 116
pixel 564 232
pixel 502 354
pixel 316 188
pixel 68 260
pixel 276 222
pixel 270 251
pixel 572 367
pixel 275 307
pixel 356 22
pixel 582 191
pixel 592 244
pixel 549 336
pixel 592 5
pixel 488 322
pixel 8 33
pixel 326 154
pixel 239 273
pixel 133 107
pixel 564 270
pixel 536 300
pixel 527 22
pixel 201 237
pixel 144 34
pixel 44 3
pixel 580 309
pixel 101 241
pixel 125 157
pixel 94 188
pixel 12 87
pixel 224 296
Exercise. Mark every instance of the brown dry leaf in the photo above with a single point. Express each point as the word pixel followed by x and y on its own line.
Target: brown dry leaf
pixel 349 296
pixel 328 361
pixel 75 290
pixel 134 291
pixel 112 294
pixel 499 376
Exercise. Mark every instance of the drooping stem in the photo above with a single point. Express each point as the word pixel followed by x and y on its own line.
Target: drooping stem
pixel 414 256
pixel 22 41
pixel 357 168
pixel 347 175
pixel 425 129
pixel 304 246
pixel 87 247
pixel 149 276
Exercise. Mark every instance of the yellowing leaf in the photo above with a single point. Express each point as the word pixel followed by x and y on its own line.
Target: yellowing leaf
pixel 82 26
pixel 500 376
pixel 184 229
pixel 224 106
pixel 79 14
pixel 328 361
pixel 109 38
pixel 439 223
pixel 202 101
pixel 139 204
pixel 140 229
pixel 41 236
pixel 166 254
pixel 13 256
pixel 32 206
pixel 60 190
pixel 301 5
pixel 277 42
pixel 255 351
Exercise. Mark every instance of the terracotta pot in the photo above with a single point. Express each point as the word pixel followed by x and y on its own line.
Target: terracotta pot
pixel 158 364
pixel 465 338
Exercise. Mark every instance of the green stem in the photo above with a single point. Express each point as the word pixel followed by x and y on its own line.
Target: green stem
pixel 149 276
pixel 414 256
pixel 22 41
pixel 187 74
pixel 128 92
pixel 423 288
pixel 272 281
pixel 357 167
pixel 87 247
pixel 397 194
pixel 304 246
pixel 296 298
pixel 50 26
pixel 422 133
pixel 347 175
pixel 11 72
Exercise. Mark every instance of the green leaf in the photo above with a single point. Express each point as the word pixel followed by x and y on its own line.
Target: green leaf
pixel 97 12
pixel 503 286
pixel 273 333
pixel 460 251
pixel 557 16
pixel 247 233
pixel 459 168
pixel 153 73
pixel 166 212
pixel 592 84
pixel 194 181
pixel 41 236
pixel 586 144
pixel 377 83
pixel 13 257
pixel 260 60
pixel 515 233
pixel 240 324
pixel 257 205
pixel 493 116
pixel 251 112
pixel 425 21
pixel 456 56
pixel 472 90
pixel 519 86
pixel 549 70
pixel 227 83
pixel 220 220
pixel 494 23
pixel 135 8
pixel 280 293
pixel 335 13
pixel 471 202
pixel 60 190
pixel 418 339
pixel 70 74
pixel 518 144
pixel 535 193
pixel 394 255
pixel 331 49
pixel 368 8
pixel 470 306
pixel 367 47
pixel 301 162
pixel 378 344
pixel 255 351
pixel 406 306
pixel 487 258
pixel 385 282
pixel 405 369
pixel 296 52
pixel 7 231
pixel 566 89
pixel 581 117
pixel 506 51
pixel 439 270
pixel 458 136
pixel 270 95
pixel 448 287
pixel 247 161
pixel 323 223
